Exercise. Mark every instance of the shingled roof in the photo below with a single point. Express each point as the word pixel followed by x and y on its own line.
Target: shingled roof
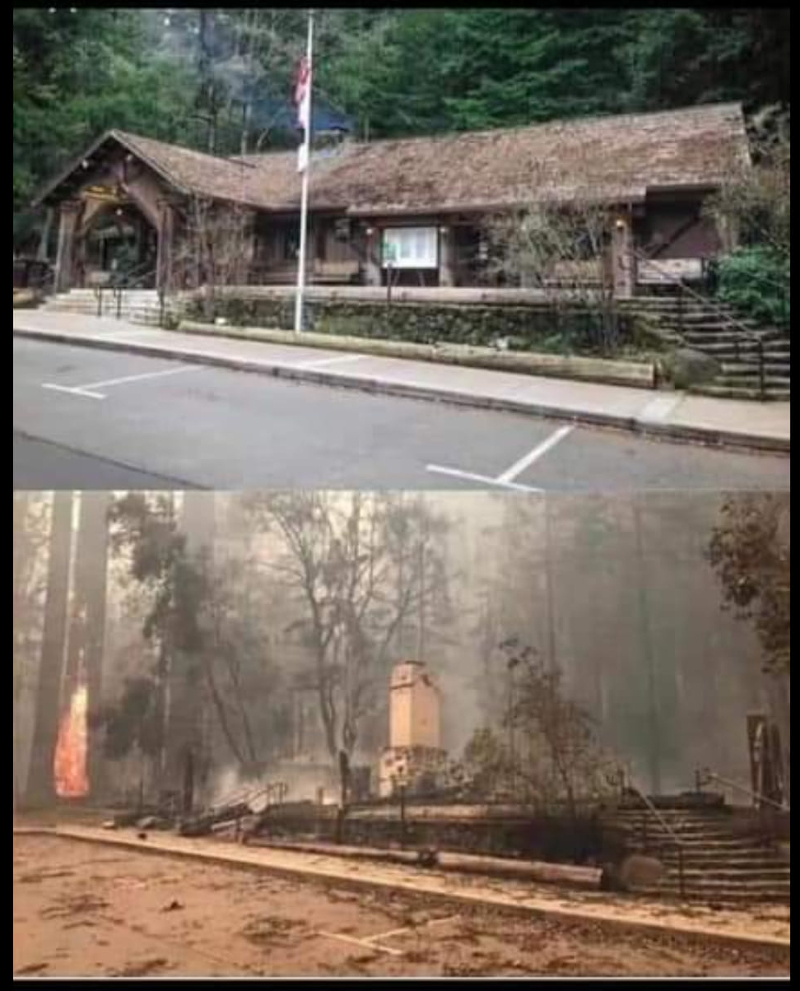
pixel 615 158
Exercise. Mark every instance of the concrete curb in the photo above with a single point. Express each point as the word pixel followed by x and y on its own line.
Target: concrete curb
pixel 576 368
pixel 675 432
pixel 576 916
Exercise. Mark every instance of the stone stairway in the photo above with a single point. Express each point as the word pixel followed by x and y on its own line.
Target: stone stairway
pixel 721 862
pixel 717 332
pixel 137 305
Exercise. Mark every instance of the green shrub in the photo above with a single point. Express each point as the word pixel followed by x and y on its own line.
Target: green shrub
pixel 576 330
pixel 755 282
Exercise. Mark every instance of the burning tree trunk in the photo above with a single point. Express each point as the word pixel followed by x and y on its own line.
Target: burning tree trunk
pixel 40 786
pixel 87 623
pixel 71 757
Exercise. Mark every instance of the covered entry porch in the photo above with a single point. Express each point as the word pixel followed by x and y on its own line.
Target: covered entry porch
pixel 114 215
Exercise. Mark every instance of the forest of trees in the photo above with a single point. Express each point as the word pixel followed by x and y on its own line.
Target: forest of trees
pixel 194 624
pixel 220 80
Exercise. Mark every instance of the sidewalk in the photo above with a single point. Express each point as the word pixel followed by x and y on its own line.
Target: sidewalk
pixel 674 415
pixel 765 926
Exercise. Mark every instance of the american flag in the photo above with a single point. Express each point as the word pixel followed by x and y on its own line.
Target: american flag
pixel 302 93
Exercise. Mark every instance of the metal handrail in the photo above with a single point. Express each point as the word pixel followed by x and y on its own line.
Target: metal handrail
pixel 742 331
pixel 677 842
pixel 145 266
pixel 130 283
pixel 713 776
pixel 722 311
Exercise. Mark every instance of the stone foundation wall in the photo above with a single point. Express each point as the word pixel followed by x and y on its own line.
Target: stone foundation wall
pixel 558 839
pixel 532 327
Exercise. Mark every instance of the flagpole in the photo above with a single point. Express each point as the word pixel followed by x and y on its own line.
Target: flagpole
pixel 301 268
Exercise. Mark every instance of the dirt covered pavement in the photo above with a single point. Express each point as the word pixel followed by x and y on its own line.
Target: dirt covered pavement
pixel 82 909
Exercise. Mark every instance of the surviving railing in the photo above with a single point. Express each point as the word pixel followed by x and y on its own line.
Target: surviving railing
pixel 118 284
pixel 707 775
pixel 741 332
pixel 674 840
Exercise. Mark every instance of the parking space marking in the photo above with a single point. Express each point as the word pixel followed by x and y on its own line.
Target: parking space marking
pixel 89 387
pixel 408 929
pixel 370 942
pixel 519 466
pixel 485 479
pixel 505 480
pixel 362 942
pixel 74 390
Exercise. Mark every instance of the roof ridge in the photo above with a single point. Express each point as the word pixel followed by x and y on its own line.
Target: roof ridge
pixel 449 135
pixel 565 121
pixel 682 147
pixel 131 136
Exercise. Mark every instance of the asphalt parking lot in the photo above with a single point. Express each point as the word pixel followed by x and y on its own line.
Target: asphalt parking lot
pixel 87 418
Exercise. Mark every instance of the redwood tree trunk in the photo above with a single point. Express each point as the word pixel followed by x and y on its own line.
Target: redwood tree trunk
pixel 40 786
pixel 185 696
pixel 88 617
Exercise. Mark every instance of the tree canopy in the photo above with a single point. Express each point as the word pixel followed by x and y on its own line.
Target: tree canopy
pixel 221 79
pixel 750 552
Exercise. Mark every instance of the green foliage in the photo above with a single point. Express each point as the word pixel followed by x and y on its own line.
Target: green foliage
pixel 221 79
pixel 425 70
pixel 208 614
pixel 487 763
pixel 756 282
pixel 133 721
pixel 549 755
pixel 578 329
pixel 755 202
pixel 148 529
pixel 750 551
pixel 77 74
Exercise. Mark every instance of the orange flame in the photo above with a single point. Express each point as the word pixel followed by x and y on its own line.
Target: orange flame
pixel 69 766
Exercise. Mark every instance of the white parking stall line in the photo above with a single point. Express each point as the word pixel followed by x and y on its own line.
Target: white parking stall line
pixel 73 390
pixel 407 929
pixel 505 480
pixel 89 388
pixel 362 942
pixel 138 378
pixel 534 455
pixel 485 479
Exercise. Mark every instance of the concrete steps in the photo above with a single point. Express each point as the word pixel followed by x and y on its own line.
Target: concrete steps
pixel 717 331
pixel 724 893
pixel 719 863
pixel 137 305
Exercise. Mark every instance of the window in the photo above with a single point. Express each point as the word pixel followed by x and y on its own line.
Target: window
pixel 410 247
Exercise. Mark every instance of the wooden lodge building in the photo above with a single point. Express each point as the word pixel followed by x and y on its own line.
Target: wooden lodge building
pixel 417 204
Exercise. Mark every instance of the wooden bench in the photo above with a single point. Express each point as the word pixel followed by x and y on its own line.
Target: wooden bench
pixel 96 278
pixel 664 271
pixel 335 272
pixel 320 273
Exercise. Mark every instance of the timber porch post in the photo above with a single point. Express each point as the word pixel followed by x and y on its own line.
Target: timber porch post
pixel 166 236
pixel 65 256
pixel 623 256
pixel 446 256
